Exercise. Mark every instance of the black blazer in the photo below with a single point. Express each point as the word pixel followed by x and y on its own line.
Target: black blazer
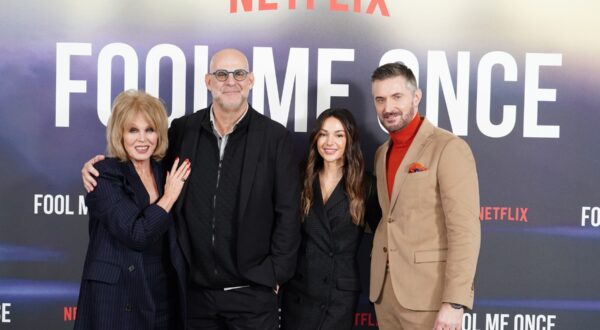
pixel 268 219
pixel 325 290
pixel 114 293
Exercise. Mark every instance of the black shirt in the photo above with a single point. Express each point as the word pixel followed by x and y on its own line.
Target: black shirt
pixel 211 207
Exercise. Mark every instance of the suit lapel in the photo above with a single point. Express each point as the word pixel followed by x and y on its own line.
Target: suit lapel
pixel 158 177
pixel 189 146
pixel 381 171
pixel 414 152
pixel 188 149
pixel 254 144
pixel 141 197
pixel 337 195
pixel 318 207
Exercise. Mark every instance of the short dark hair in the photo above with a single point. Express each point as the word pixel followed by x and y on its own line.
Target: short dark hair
pixel 395 69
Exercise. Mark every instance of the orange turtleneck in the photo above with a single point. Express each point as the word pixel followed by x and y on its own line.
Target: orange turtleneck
pixel 399 143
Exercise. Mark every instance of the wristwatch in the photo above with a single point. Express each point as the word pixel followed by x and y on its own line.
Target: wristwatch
pixel 457 306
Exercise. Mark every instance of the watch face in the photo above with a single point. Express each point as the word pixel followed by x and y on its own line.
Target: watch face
pixel 456 306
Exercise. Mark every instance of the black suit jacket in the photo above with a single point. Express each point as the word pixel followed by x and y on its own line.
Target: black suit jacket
pixel 268 219
pixel 325 290
pixel 114 290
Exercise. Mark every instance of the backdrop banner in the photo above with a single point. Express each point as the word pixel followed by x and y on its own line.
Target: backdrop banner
pixel 518 80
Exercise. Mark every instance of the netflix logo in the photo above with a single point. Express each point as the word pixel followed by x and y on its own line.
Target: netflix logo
pixel 365 320
pixel 69 313
pixel 503 214
pixel 356 6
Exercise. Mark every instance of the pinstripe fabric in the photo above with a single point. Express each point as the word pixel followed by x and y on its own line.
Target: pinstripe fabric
pixel 324 292
pixel 114 293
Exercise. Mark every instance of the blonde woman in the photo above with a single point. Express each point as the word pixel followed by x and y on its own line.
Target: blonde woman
pixel 133 272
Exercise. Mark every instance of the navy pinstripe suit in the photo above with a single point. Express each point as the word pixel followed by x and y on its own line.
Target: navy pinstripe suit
pixel 114 290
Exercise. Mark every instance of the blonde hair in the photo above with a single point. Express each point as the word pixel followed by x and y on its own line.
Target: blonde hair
pixel 126 106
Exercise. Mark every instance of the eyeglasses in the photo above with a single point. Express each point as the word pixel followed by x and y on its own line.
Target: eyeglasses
pixel 222 75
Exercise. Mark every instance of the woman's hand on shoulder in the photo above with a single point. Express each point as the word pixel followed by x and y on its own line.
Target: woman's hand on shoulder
pixel 176 178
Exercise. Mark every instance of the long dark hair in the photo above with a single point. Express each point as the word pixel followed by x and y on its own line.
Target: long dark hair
pixel 353 169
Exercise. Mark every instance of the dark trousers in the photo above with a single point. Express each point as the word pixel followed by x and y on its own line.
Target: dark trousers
pixel 250 308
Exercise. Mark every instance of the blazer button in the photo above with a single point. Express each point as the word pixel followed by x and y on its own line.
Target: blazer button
pixel 390 220
pixel 131 268
pixel 322 306
pixel 384 249
pixel 128 308
pixel 331 254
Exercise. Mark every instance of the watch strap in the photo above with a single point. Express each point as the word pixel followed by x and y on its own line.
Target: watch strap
pixel 457 306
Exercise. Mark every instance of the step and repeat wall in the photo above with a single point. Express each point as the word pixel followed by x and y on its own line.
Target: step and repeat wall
pixel 518 80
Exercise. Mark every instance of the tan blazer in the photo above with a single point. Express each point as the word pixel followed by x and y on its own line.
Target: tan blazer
pixel 430 229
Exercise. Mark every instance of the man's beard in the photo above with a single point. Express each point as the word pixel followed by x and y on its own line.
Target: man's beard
pixel 406 119
pixel 230 105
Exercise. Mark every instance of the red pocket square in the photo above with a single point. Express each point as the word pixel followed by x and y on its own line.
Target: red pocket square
pixel 416 167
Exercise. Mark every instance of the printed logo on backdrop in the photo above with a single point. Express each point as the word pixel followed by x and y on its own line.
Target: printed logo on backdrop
pixel 266 93
pixel 590 216
pixel 5 312
pixel 69 313
pixel 49 204
pixel 503 214
pixel 355 6
pixel 489 321
pixel 365 320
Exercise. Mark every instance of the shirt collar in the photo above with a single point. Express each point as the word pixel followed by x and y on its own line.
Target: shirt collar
pixel 212 121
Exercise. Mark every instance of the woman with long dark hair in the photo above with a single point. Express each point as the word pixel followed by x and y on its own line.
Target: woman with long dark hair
pixel 338 198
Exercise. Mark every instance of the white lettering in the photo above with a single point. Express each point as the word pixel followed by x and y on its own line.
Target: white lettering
pixel 296 76
pixel 470 321
pixel 534 322
pixel 130 75
pixel 450 80
pixel 37 203
pixel 200 70
pixel 325 89
pixel 64 85
pixel 533 95
pixel 5 312
pixel 404 56
pixel 496 321
pixel 457 102
pixel 53 204
pixel 82 207
pixel 177 57
pixel 484 91
pixel 590 213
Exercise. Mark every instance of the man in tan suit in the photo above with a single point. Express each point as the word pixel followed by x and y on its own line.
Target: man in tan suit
pixel 426 246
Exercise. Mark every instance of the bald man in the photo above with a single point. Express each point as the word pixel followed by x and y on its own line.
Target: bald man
pixel 238 216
